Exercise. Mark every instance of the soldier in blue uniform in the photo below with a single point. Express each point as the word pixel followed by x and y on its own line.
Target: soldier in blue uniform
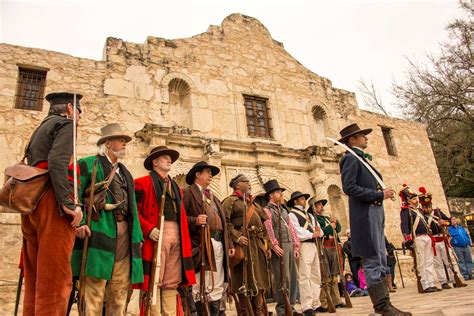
pixel 367 217
pixel 421 240
pixel 438 221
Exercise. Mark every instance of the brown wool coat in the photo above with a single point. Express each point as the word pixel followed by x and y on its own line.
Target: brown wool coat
pixel 194 204
pixel 234 209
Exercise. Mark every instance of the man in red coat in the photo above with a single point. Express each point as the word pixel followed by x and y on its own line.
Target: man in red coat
pixel 176 258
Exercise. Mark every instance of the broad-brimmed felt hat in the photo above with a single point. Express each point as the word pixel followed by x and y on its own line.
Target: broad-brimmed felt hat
pixel 294 196
pixel 352 130
pixel 157 152
pixel 313 200
pixel 270 186
pixel 111 131
pixel 64 98
pixel 198 167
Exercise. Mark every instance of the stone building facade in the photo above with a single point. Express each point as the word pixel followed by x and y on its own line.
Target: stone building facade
pixel 189 94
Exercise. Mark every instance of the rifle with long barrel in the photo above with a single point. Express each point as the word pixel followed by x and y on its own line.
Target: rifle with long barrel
pixel 244 289
pixel 457 279
pixel 413 253
pixel 205 243
pixel 347 298
pixel 85 248
pixel 18 292
pixel 152 293
pixel 283 288
pixel 325 276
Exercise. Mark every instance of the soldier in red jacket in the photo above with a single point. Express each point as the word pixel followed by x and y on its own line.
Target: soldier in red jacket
pixel 176 258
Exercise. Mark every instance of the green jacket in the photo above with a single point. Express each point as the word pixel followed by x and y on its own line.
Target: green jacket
pixel 325 224
pixel 102 243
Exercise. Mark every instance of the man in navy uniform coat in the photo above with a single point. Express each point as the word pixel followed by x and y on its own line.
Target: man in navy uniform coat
pixel 367 217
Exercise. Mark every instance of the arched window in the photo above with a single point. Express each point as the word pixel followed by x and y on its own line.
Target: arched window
pixel 180 102
pixel 320 118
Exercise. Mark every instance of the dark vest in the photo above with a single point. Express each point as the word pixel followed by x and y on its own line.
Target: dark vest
pixel 302 220
pixel 285 231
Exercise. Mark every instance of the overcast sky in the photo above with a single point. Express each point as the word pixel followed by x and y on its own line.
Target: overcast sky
pixel 340 40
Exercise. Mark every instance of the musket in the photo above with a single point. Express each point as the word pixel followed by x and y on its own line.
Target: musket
pixel 18 292
pixel 74 149
pixel 283 288
pixel 152 293
pixel 85 248
pixel 413 253
pixel 205 244
pixel 365 164
pixel 325 276
pixel 457 279
pixel 244 289
pixel 347 298
pixel 399 268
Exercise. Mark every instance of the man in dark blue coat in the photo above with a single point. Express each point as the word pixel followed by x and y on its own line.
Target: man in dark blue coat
pixel 367 217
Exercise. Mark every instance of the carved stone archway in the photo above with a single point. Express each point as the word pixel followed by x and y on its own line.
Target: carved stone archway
pixel 337 206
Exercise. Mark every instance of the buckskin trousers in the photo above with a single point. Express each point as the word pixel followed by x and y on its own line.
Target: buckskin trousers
pixel 48 242
pixel 115 291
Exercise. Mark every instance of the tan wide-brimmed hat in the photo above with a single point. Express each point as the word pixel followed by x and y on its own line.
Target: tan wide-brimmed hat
pixel 157 152
pixel 110 131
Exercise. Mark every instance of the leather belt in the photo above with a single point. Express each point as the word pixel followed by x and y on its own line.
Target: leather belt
pixel 217 235
pixel 312 240
pixel 329 243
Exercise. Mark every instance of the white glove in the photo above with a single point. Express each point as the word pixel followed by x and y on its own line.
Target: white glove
pixel 154 234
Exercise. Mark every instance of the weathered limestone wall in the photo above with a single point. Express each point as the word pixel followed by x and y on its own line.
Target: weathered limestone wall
pixel 189 94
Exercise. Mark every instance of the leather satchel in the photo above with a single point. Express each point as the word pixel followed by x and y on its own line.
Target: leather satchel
pixel 237 257
pixel 24 187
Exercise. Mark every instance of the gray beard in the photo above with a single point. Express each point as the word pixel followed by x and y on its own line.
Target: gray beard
pixel 119 154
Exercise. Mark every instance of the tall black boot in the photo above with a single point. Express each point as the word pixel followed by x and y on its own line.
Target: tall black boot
pixel 381 300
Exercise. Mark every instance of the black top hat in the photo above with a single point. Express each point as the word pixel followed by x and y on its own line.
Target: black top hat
pixel 157 152
pixel 294 196
pixel 352 130
pixel 270 186
pixel 200 166
pixel 64 98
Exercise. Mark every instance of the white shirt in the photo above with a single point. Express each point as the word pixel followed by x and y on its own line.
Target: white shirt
pixel 301 232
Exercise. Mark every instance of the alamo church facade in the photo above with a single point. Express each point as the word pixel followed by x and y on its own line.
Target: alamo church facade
pixel 231 96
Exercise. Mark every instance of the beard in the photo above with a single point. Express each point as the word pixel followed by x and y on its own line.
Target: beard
pixel 120 154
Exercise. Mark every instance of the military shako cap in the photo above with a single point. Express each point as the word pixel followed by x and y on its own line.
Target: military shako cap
pixel 64 98
pixel 352 130
pixel 270 186
pixel 406 193
pixel 425 198
pixel 294 196
pixel 111 131
pixel 198 167
pixel 157 152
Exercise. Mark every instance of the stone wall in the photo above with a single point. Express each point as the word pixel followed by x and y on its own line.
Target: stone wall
pixel 189 94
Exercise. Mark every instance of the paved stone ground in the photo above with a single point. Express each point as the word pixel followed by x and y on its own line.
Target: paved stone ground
pixel 454 302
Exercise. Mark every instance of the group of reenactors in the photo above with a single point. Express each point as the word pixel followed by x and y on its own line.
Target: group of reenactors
pixel 425 232
pixel 186 250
